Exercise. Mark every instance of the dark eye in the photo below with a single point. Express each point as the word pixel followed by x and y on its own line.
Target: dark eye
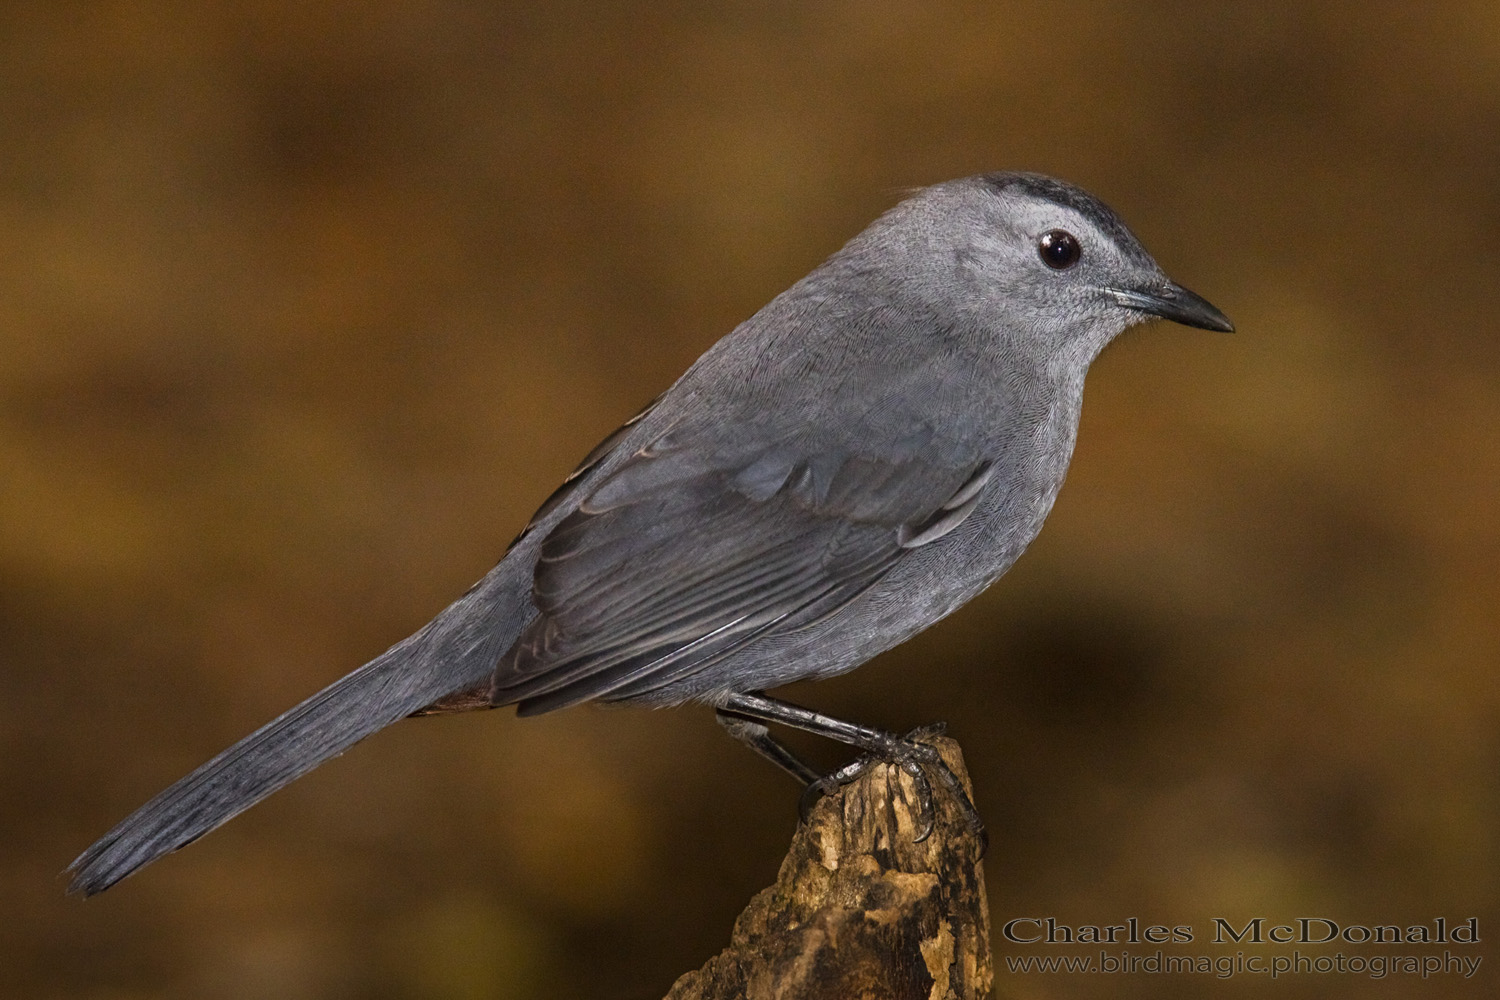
pixel 1059 249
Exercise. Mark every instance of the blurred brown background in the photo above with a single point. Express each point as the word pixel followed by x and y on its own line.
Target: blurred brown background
pixel 304 307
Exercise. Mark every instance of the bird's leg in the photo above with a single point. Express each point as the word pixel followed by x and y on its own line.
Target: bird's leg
pixel 758 738
pixel 916 758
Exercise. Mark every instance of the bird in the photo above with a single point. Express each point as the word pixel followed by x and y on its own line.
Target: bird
pixel 858 459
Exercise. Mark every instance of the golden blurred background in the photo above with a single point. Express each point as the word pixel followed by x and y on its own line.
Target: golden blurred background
pixel 305 307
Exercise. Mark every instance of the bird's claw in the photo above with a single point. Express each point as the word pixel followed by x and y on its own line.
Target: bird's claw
pixel 916 758
pixel 830 783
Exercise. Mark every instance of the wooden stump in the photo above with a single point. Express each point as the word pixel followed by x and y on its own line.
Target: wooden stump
pixel 859 911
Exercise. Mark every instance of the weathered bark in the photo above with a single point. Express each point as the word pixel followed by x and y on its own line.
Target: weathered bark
pixel 859 911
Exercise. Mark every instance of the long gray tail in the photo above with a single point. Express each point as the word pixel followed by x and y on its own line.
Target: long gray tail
pixel 457 649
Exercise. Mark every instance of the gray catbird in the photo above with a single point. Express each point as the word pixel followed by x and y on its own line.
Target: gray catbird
pixel 855 461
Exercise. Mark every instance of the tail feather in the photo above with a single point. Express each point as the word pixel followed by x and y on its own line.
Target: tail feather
pixel 456 650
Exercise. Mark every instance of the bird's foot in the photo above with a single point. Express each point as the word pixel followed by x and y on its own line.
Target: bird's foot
pixel 917 758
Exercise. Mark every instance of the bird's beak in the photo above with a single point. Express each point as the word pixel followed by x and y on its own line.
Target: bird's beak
pixel 1170 300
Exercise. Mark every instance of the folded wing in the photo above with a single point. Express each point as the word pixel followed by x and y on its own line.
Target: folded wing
pixel 684 554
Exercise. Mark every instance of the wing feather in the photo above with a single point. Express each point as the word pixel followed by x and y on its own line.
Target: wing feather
pixel 675 560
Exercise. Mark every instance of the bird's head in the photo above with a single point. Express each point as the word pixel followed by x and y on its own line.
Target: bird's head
pixel 1039 259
